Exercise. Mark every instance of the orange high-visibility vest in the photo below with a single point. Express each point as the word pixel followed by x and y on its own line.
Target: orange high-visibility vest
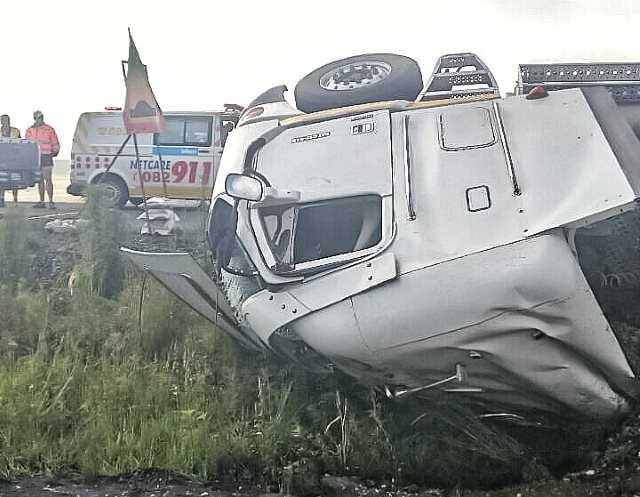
pixel 46 137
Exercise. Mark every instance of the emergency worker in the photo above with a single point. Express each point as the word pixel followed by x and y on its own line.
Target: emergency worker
pixel 49 146
pixel 8 131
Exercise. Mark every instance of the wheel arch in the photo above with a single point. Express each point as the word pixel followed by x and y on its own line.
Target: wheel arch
pixel 95 179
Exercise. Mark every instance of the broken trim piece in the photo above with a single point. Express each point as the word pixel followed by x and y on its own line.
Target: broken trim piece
pixel 174 271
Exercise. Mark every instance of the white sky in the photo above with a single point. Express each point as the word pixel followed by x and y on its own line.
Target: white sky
pixel 63 56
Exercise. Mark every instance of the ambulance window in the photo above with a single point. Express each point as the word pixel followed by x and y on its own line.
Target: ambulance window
pixel 198 132
pixel 172 134
pixel 186 130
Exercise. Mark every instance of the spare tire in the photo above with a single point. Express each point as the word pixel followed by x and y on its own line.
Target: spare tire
pixel 358 80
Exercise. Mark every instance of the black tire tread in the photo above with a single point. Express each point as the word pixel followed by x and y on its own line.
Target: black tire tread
pixel 403 83
pixel 118 183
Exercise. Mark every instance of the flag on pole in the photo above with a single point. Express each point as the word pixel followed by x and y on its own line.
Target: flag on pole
pixel 142 113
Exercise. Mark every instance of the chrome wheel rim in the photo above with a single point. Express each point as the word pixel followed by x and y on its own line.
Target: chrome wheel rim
pixel 354 76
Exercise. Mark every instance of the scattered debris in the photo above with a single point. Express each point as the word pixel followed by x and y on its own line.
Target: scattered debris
pixel 159 221
pixel 65 225
pixel 169 203
pixel 69 214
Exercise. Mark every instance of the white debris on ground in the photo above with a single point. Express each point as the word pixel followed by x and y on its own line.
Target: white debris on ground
pixel 156 221
pixel 65 225
pixel 158 218
pixel 169 203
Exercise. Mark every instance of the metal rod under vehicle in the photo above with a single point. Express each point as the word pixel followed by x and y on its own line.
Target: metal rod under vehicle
pixel 459 376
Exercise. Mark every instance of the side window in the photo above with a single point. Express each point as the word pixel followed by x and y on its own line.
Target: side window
pixel 198 132
pixel 317 230
pixel 172 134
pixel 185 131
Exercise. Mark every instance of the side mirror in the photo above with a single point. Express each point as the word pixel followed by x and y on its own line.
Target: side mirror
pixel 248 188
pixel 244 187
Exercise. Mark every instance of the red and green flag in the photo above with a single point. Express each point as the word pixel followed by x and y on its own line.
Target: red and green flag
pixel 141 114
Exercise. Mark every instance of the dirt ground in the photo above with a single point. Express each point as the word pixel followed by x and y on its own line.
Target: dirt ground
pixel 160 484
pixel 137 485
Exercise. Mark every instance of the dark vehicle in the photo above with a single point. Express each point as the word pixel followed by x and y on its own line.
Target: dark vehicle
pixel 19 163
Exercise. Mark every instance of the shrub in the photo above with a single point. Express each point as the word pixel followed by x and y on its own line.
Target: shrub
pixel 102 268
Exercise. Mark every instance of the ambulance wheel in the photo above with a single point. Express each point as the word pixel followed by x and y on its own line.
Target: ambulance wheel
pixel 136 200
pixel 116 189
pixel 358 80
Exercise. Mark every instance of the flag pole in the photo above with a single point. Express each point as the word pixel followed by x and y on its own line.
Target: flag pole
pixel 139 168
pixel 164 181
pixel 141 114
pixel 118 153
pixel 126 140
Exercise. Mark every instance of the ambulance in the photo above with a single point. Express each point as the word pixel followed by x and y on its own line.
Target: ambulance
pixel 180 163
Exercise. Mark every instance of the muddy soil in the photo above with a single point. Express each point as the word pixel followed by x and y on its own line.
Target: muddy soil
pixel 137 485
pixel 160 484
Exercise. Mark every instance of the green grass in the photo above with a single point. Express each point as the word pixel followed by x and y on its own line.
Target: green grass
pixel 15 239
pixel 100 381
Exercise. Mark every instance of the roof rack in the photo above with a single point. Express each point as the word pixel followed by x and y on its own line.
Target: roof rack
pixel 458 76
pixel 622 79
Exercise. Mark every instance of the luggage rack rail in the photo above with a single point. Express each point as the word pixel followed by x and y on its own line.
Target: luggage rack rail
pixel 622 79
